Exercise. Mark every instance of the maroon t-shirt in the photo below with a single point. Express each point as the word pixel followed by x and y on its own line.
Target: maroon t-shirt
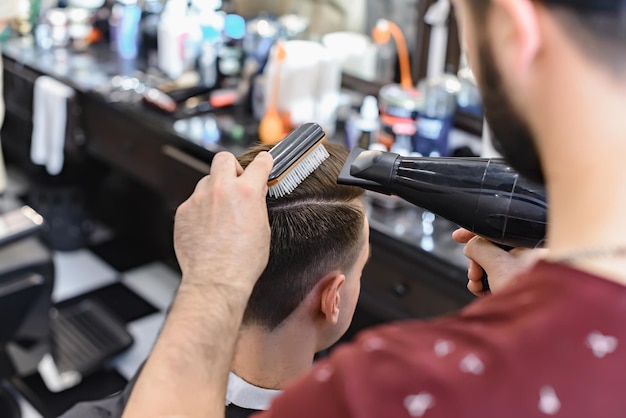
pixel 553 344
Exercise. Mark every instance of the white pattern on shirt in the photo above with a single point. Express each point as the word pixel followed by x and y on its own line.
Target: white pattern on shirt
pixel 600 344
pixel 417 405
pixel 549 403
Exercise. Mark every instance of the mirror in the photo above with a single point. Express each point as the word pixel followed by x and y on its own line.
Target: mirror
pixel 345 26
pixel 350 22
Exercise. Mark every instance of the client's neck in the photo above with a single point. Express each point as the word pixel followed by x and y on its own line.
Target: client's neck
pixel 272 359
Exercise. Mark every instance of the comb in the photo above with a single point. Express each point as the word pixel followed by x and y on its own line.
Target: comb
pixel 295 157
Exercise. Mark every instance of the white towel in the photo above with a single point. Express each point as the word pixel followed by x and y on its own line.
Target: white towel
pixel 49 123
pixel 3 171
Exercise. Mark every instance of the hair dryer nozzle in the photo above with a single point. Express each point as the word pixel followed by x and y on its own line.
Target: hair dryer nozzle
pixel 376 166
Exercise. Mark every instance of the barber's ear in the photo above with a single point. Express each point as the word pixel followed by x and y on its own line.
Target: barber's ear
pixel 525 34
pixel 331 297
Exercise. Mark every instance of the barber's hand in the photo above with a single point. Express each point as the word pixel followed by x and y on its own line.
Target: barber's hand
pixel 502 267
pixel 222 233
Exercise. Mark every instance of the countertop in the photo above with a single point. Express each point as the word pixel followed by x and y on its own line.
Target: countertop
pixel 92 73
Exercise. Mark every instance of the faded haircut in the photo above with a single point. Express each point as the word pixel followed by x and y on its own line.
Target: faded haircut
pixel 316 229
pixel 598 28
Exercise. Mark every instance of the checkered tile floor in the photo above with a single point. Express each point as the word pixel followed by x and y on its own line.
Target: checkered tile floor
pixel 83 272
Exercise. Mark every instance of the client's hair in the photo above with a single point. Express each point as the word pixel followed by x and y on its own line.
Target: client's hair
pixel 316 229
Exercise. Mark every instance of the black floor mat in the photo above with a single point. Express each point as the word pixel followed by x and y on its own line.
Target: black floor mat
pixel 119 299
pixel 128 306
pixel 125 253
pixel 96 386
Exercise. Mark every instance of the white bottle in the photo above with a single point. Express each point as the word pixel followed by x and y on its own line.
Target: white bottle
pixel 367 124
pixel 171 38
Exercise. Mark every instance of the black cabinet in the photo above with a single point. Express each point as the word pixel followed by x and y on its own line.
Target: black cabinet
pixel 117 138
pixel 18 98
pixel 402 281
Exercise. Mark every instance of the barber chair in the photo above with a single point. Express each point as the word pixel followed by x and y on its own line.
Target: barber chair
pixel 26 282
pixel 62 345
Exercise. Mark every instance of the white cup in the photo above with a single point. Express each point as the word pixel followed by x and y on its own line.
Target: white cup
pixel 356 52
pixel 309 86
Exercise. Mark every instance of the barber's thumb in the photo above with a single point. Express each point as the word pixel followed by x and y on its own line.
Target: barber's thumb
pixel 462 235
pixel 484 252
pixel 474 271
pixel 260 167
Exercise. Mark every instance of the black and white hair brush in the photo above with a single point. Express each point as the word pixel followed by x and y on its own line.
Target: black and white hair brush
pixel 295 158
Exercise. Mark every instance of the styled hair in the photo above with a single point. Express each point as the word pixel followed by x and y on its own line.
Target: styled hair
pixel 316 229
pixel 598 27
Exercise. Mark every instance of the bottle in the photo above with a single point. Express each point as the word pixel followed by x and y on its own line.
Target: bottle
pixel 114 25
pixel 385 61
pixel 211 25
pixel 436 117
pixel 127 37
pixel 149 28
pixel 366 125
pixel 403 145
pixel 399 109
pixel 207 64
pixel 171 38
pixel 468 99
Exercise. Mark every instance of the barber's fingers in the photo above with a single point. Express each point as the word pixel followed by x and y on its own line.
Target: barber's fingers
pixel 224 166
pixel 259 169
pixel 474 271
pixel 202 184
pixel 484 252
pixel 239 168
pixel 475 287
pixel 462 235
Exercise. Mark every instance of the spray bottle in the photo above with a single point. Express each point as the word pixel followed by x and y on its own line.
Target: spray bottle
pixel 171 36
pixel 362 130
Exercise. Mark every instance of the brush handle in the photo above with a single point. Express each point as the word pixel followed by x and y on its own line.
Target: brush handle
pixel 293 147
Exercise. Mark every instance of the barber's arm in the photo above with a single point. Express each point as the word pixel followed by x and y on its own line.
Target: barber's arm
pixel 502 267
pixel 221 239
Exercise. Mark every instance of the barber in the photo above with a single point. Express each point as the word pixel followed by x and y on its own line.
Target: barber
pixel 552 343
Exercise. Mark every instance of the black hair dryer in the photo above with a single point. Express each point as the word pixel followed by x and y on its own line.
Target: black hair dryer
pixel 485 196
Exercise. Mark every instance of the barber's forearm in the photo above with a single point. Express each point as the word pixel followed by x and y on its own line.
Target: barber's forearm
pixel 187 373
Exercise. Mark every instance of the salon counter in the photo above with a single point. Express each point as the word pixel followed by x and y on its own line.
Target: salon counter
pixel 162 152
pixel 416 269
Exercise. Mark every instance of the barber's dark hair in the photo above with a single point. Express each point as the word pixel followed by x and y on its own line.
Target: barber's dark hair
pixel 598 27
pixel 316 229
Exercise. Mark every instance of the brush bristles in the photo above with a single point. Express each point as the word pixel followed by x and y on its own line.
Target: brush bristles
pixel 299 172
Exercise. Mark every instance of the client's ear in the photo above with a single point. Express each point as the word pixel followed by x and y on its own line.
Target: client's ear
pixel 330 296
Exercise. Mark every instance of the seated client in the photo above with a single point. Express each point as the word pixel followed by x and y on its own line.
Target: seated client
pixel 304 300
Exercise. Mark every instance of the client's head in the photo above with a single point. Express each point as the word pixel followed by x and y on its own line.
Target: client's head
pixel 319 246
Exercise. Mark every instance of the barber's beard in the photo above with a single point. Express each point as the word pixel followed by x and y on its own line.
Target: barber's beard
pixel 511 134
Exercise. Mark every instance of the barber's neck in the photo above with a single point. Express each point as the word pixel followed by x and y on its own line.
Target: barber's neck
pixel 272 359
pixel 583 136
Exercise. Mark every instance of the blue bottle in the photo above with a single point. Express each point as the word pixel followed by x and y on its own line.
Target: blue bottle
pixel 127 29
pixel 437 116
